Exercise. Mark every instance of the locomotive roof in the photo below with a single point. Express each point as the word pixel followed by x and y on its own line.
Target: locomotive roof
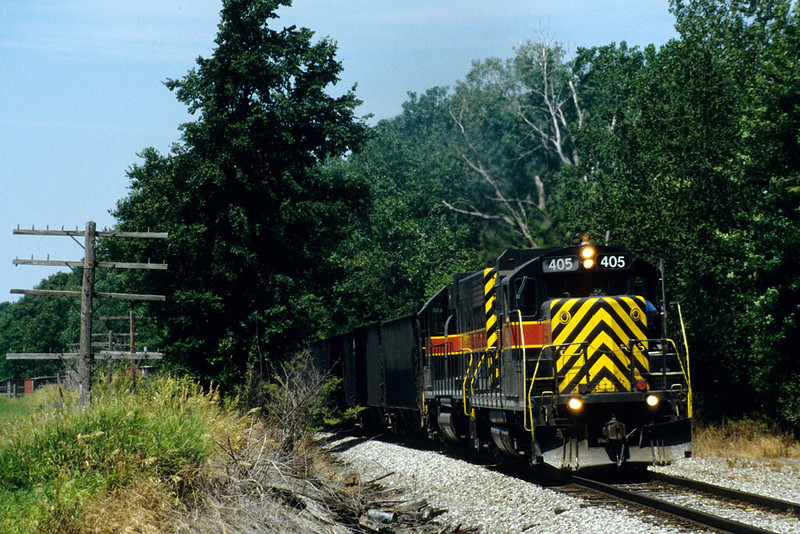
pixel 513 258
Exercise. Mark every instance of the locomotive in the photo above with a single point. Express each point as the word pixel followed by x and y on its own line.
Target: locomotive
pixel 559 356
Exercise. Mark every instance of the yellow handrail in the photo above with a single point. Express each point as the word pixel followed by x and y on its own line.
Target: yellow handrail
pixel 464 383
pixel 684 370
pixel 524 371
pixel 688 371
pixel 529 404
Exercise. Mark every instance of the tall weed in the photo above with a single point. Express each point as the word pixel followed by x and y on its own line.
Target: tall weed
pixel 746 438
pixel 56 460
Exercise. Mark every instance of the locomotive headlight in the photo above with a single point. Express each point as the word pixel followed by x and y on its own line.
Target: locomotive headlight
pixel 651 400
pixel 587 256
pixel 575 404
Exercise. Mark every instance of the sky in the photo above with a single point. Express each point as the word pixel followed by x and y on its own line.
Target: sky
pixel 82 92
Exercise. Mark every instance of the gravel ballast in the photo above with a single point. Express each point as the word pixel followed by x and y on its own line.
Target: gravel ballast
pixel 779 479
pixel 475 496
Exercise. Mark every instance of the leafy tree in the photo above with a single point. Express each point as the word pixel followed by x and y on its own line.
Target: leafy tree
pixel 457 178
pixel 764 243
pixel 516 122
pixel 404 244
pixel 697 162
pixel 38 324
pixel 251 218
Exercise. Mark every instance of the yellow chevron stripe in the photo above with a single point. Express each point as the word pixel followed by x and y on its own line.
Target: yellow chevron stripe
pixel 612 336
pixel 490 281
pixel 602 317
pixel 566 335
pixel 633 326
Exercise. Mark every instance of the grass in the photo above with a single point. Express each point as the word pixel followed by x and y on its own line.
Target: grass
pixel 166 456
pixel 746 438
pixel 10 407
pixel 62 469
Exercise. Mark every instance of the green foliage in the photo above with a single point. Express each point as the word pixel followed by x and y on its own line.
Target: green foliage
pixel 454 180
pixel 696 161
pixel 12 407
pixel 52 324
pixel 325 414
pixel 38 324
pixel 513 126
pixel 298 398
pixel 251 218
pixel 55 460
pixel 404 244
pixel 286 223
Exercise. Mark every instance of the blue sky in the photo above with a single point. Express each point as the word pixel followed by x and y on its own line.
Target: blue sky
pixel 81 84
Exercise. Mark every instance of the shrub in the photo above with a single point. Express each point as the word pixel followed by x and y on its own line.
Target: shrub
pixel 57 460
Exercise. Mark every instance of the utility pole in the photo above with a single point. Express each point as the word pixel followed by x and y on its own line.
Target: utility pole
pixel 131 318
pixel 87 288
pixel 87 293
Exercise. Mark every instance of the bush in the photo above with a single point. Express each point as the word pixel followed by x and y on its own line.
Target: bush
pixel 58 460
pixel 298 399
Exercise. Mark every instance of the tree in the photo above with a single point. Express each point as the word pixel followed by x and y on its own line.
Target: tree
pixel 39 324
pixel 517 120
pixel 765 241
pixel 251 217
pixel 404 244
pixel 697 162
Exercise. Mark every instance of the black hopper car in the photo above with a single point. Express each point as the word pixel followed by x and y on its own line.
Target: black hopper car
pixel 558 355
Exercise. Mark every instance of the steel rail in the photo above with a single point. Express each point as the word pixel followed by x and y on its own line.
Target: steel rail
pixel 696 516
pixel 728 493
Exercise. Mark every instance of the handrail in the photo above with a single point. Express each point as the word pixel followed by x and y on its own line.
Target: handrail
pixel 527 401
pixel 685 371
pixel 522 340
pixel 474 375
pixel 524 370
pixel 464 383
pixel 688 372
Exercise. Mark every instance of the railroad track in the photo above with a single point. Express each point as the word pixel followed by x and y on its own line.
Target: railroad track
pixel 669 500
pixel 658 492
pixel 778 505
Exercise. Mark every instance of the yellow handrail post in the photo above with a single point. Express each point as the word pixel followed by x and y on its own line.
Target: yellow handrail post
pixel 688 368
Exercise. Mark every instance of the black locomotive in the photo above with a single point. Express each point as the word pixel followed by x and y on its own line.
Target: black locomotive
pixel 557 355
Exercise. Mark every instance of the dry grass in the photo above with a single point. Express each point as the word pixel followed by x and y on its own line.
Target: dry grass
pixel 169 457
pixel 262 487
pixel 270 475
pixel 747 438
pixel 144 508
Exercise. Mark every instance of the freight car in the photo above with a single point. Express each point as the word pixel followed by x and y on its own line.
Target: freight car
pixel 558 355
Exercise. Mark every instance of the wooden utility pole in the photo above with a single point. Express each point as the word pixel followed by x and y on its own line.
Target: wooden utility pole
pixel 87 288
pixel 131 318
pixel 87 294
